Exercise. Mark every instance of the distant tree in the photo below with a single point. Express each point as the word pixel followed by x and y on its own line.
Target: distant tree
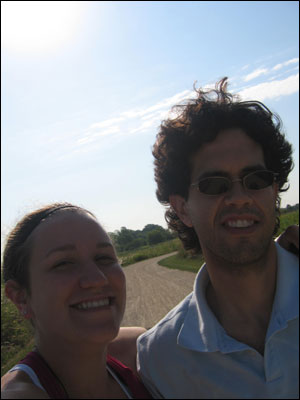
pixel 122 238
pixel 135 244
pixel 289 208
pixel 152 227
pixel 114 237
pixel 128 239
pixel 155 237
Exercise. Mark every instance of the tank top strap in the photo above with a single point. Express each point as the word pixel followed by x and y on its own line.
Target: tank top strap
pixel 128 377
pixel 46 376
pixel 30 372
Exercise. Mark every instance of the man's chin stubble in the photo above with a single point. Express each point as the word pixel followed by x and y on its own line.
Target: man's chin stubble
pixel 244 257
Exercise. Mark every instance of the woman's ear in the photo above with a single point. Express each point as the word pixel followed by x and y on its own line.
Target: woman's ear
pixel 18 296
pixel 179 205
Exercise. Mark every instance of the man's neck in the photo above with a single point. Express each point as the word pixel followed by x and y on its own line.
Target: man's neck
pixel 242 302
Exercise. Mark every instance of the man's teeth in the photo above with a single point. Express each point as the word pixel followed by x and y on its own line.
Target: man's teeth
pixel 92 304
pixel 240 223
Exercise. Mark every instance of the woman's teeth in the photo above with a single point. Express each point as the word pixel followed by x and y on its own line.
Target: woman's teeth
pixel 92 304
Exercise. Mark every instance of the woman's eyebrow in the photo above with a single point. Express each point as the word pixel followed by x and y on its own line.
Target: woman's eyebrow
pixel 61 248
pixel 73 247
pixel 104 244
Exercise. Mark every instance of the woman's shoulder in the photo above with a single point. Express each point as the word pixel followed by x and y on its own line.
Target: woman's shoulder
pixel 123 347
pixel 18 385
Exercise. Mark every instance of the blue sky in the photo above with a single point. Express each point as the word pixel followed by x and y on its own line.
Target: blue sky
pixel 86 84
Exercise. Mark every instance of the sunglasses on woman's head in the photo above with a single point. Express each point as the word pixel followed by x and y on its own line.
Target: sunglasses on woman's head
pixel 215 185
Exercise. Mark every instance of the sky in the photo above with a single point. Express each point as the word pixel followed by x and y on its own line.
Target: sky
pixel 85 86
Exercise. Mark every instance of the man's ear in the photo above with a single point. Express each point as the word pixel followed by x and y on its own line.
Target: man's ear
pixel 178 203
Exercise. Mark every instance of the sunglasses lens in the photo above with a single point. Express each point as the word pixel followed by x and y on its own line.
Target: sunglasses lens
pixel 214 185
pixel 259 180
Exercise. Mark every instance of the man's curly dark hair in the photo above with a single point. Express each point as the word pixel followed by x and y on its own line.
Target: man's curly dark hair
pixel 199 121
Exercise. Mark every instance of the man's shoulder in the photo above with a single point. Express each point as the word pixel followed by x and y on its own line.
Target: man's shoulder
pixel 168 327
pixel 288 267
pixel 287 257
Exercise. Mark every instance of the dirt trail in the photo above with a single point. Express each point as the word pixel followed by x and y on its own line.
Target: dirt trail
pixel 153 290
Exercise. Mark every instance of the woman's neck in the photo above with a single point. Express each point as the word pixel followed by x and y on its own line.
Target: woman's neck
pixel 81 370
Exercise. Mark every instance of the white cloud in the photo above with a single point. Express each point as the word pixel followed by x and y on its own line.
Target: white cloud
pixel 131 121
pixel 271 90
pixel 106 123
pixel 255 74
pixel 141 120
pixel 91 135
pixel 150 121
pixel 109 131
pixel 245 67
pixel 166 103
pixel 102 135
pixel 279 66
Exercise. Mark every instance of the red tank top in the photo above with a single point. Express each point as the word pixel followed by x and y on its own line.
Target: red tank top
pixel 55 390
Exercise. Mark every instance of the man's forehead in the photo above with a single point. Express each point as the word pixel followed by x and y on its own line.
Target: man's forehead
pixel 231 152
pixel 229 138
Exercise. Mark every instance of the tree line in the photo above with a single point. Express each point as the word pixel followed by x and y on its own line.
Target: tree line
pixel 289 208
pixel 128 239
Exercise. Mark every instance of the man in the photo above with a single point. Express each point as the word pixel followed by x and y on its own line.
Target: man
pixel 220 167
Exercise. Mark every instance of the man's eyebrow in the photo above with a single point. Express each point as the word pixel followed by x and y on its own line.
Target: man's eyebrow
pixel 66 247
pixel 212 172
pixel 217 172
pixel 253 168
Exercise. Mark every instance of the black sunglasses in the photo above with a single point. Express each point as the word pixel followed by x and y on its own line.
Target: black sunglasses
pixel 215 185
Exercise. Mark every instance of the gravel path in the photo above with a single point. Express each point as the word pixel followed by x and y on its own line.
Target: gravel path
pixel 153 290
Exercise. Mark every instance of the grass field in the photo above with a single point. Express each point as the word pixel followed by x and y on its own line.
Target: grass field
pixel 17 334
pixel 133 256
pixel 176 261
pixel 288 219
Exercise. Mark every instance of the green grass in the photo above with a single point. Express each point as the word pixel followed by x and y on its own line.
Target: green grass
pixel 288 219
pixel 145 252
pixel 183 263
pixel 16 335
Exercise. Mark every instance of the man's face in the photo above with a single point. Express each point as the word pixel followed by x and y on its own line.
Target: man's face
pixel 235 226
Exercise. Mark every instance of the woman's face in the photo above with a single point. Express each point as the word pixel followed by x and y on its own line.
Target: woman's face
pixel 78 290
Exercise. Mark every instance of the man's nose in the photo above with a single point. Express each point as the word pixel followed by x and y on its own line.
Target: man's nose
pixel 238 194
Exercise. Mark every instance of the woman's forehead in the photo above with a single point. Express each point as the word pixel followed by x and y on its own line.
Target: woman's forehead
pixel 67 226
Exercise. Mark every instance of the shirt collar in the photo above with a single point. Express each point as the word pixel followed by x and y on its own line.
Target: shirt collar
pixel 201 331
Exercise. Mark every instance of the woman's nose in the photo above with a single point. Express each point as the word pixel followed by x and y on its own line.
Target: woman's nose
pixel 92 276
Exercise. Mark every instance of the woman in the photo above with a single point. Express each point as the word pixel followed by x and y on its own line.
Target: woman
pixel 62 273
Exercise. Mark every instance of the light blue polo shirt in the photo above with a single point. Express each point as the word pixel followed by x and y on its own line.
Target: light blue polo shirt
pixel 188 354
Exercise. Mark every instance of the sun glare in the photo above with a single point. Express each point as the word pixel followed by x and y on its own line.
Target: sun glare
pixel 38 26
